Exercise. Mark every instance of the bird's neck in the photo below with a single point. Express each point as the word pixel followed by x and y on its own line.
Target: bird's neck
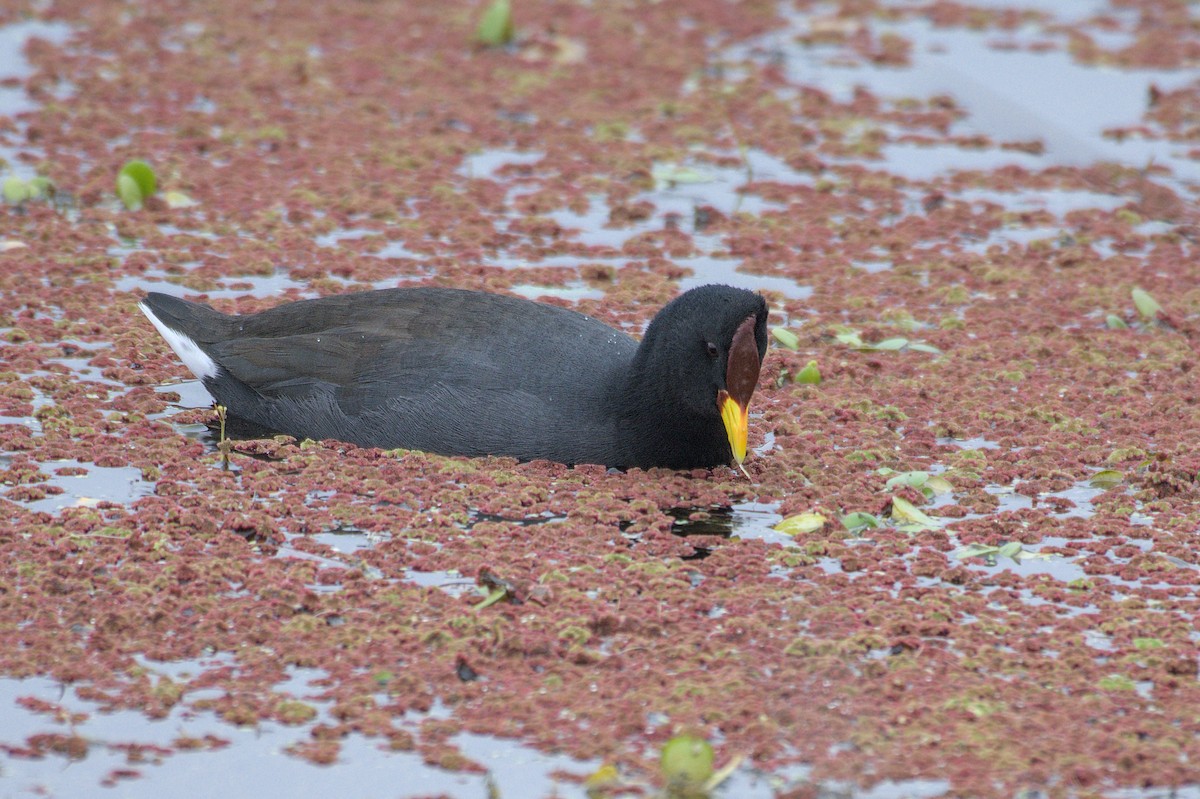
pixel 660 432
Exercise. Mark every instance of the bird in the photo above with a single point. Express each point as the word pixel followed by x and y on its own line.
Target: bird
pixel 462 372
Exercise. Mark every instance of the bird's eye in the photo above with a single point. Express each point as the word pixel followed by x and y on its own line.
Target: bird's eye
pixel 711 348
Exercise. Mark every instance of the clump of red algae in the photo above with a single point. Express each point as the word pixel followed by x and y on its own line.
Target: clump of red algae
pixel 872 656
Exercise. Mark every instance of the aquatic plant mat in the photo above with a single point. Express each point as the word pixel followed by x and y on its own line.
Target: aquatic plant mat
pixel 978 220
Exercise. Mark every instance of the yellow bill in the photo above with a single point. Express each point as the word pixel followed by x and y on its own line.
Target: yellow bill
pixel 741 375
pixel 737 424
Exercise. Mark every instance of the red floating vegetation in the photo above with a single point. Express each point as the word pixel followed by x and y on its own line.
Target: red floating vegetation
pixel 1035 632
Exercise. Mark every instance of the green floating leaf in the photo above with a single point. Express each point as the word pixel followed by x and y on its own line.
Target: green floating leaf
pixel 801 523
pixel 939 485
pixel 1010 550
pixel 850 338
pixel 129 192
pixel 809 375
pixel 602 778
pixel 141 174
pixel 912 517
pixel 929 485
pixel 40 187
pixel 1146 305
pixel 1148 643
pixel 492 598
pixel 1114 322
pixel 16 190
pixel 177 199
pixel 1106 479
pixel 909 479
pixel 859 520
pixel 1117 682
pixel 921 346
pixel 687 761
pixel 976 551
pixel 786 338
pixel 496 24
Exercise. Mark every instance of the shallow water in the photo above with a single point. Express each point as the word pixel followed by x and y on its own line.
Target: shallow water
pixel 255 760
pixel 117 484
pixel 742 520
pixel 13 99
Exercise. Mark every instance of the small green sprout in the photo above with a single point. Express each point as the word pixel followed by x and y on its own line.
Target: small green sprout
pixel 810 375
pixel 687 764
pixel 136 183
pixel 1146 305
pixel 496 25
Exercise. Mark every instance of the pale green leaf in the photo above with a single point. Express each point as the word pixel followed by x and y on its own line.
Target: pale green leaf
pixel 1146 305
pixel 785 337
pixel 492 598
pixel 143 175
pixel 1026 554
pixel 1106 479
pixel 921 346
pixel 16 190
pixel 909 479
pixel 849 337
pixel 40 187
pixel 603 777
pixel 975 551
pixel 687 761
pixel 905 512
pixel 129 192
pixel 1010 550
pixel 801 524
pixel 809 375
pixel 496 24
pixel 177 199
pixel 859 520
pixel 939 485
